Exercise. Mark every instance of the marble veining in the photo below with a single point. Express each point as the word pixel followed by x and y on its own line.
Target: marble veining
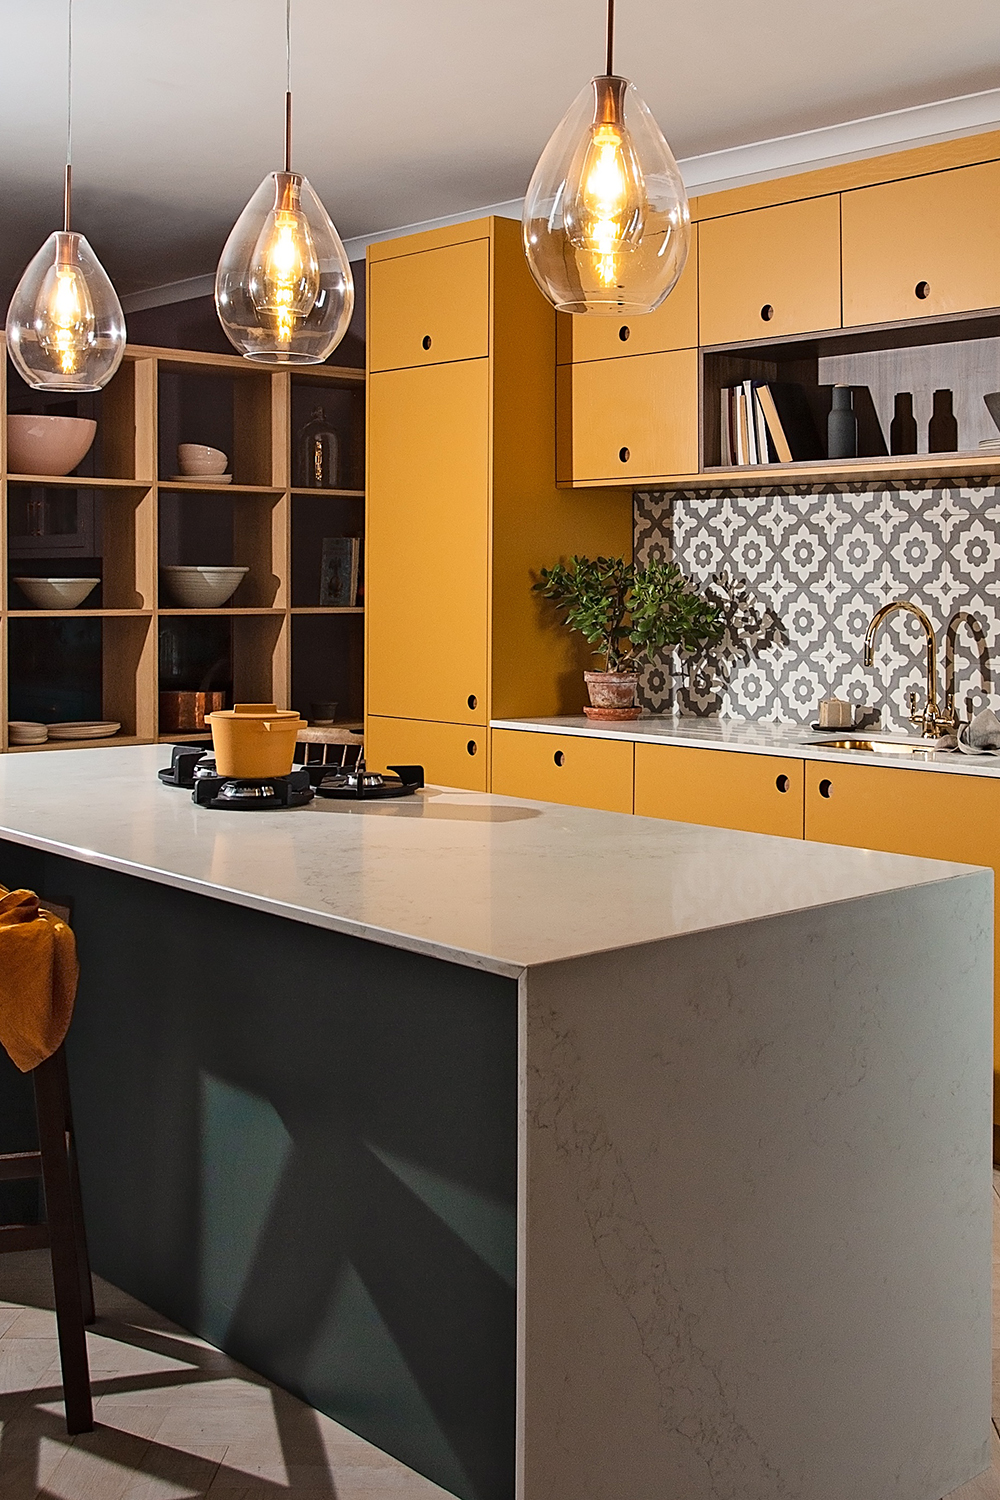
pixel 494 882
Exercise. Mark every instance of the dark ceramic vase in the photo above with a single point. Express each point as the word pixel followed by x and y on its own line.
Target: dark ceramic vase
pixel 842 425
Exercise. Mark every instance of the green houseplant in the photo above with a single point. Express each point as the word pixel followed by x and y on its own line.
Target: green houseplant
pixel 628 613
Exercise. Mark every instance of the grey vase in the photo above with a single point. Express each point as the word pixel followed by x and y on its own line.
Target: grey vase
pixel 842 425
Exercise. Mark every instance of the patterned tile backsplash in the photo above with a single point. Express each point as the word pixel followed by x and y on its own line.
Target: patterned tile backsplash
pixel 817 562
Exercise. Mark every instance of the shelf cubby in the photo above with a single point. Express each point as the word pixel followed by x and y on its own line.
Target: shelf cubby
pixel 66 667
pixel 120 452
pixel 315 516
pixel 328 663
pixel 342 404
pixel 230 409
pixel 222 529
pixel 79 531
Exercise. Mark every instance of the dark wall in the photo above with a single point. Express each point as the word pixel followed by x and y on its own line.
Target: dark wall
pixel 194 325
pixel 303 1146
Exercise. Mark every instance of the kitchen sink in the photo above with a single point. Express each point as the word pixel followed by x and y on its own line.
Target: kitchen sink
pixel 877 747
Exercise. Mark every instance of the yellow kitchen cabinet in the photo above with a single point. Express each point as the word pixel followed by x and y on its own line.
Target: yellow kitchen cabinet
pixel 563 768
pixel 929 814
pixel 723 788
pixel 430 307
pixel 427 536
pixel 770 271
pixel 674 324
pixel 462 503
pixel 451 754
pixel 922 247
pixel 628 420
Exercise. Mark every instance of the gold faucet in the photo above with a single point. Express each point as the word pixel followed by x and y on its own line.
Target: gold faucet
pixel 932 721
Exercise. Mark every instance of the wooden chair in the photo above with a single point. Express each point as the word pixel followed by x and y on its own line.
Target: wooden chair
pixel 62 1232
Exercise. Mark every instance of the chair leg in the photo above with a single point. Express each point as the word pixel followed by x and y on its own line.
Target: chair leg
pixel 82 1254
pixel 51 1097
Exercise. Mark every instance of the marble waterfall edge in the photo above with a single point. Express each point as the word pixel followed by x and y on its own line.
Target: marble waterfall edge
pixel 757 1209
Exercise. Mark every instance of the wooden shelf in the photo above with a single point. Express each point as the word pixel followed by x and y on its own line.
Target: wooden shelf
pixel 327 609
pixel 80 481
pixel 181 612
pixel 193 487
pixel 833 471
pixel 184 737
pixel 112 739
pixel 321 494
pixel 79 614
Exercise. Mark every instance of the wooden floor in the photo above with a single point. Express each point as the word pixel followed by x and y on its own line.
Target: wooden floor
pixel 177 1420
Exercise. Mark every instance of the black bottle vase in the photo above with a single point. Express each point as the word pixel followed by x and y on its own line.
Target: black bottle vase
pixel 842 425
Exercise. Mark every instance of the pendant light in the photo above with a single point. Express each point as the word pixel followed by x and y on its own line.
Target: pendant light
pixel 283 289
pixel 65 325
pixel 606 226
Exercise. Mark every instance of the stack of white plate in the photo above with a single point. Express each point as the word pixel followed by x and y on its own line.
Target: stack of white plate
pixel 82 729
pixel 24 732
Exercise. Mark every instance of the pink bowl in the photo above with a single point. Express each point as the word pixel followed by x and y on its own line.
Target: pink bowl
pixel 47 445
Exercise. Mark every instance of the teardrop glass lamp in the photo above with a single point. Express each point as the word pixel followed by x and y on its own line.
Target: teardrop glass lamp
pixel 283 288
pixel 606 226
pixel 65 325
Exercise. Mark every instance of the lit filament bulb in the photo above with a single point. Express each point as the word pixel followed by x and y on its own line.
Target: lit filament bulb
pixel 606 204
pixel 64 321
pixel 284 275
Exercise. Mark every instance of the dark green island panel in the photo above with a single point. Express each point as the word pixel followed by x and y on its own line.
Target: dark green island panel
pixel 302 1146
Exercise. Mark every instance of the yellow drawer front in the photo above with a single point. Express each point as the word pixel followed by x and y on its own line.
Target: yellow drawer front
pixel 723 788
pixel 674 324
pixel 563 768
pixel 429 308
pixel 451 754
pixel 922 247
pixel 628 419
pixel 770 271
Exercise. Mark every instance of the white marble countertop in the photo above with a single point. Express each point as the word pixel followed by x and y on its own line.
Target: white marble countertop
pixel 795 740
pixel 492 882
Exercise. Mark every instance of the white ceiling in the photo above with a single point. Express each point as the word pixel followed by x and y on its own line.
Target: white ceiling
pixel 406 112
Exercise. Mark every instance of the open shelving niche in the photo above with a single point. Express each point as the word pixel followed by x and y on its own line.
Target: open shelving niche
pixel 958 354
pixel 122 513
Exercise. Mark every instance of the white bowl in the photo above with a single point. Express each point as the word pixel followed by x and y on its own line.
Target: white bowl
pixel 56 593
pixel 48 445
pixel 202 588
pixel 196 458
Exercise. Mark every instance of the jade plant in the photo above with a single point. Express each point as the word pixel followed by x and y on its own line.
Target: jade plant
pixel 628 612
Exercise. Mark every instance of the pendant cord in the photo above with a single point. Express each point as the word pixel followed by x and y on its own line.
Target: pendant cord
pixel 68 184
pixel 611 38
pixel 288 85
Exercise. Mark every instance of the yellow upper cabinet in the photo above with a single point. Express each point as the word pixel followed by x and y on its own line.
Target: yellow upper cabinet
pixel 924 246
pixel 625 420
pixel 430 307
pixel 771 271
pixel 674 325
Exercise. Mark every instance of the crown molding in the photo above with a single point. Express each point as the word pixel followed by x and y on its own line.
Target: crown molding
pixel 715 171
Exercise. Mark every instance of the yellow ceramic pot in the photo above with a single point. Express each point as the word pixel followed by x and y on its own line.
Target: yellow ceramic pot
pixel 254 739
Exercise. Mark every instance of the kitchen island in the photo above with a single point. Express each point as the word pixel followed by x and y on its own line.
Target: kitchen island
pixel 562 1154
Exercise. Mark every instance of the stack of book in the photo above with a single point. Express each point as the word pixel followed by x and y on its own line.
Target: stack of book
pixel 767 422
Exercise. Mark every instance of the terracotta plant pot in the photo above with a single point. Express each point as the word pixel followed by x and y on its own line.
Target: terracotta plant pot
pixel 612 695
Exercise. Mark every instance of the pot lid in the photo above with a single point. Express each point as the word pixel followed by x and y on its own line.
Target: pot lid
pixel 258 711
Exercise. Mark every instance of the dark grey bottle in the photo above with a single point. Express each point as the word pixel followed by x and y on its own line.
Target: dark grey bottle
pixel 842 425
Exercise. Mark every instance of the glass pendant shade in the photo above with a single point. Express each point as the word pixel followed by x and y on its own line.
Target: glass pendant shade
pixel 283 289
pixel 606 226
pixel 65 325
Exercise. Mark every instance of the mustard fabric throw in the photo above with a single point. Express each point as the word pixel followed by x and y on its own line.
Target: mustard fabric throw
pixel 38 975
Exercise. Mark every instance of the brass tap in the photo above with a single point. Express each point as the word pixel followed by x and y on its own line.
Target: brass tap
pixel 979 636
pixel 931 720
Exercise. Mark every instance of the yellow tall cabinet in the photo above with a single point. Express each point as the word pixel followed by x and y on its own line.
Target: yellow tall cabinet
pixel 462 504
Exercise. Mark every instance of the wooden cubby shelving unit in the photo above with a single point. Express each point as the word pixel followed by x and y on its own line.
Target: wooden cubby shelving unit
pixel 122 514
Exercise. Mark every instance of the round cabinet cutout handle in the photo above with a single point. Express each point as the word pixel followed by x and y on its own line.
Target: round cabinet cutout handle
pixel 426 341
pixel 624 333
pixel 767 312
pixel 922 290
pixel 782 783
pixel 559 757
pixel 624 455
pixel 826 788
pixel 472 700
pixel 472 747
